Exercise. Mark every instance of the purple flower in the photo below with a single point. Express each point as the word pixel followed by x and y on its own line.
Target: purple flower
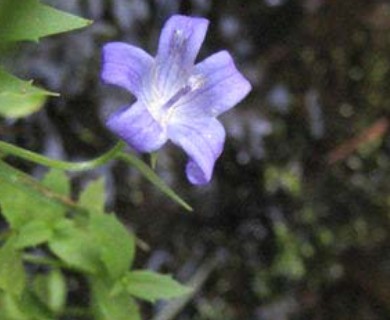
pixel 177 99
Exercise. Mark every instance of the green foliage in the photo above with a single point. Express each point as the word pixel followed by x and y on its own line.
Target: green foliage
pixel 116 244
pixel 32 234
pixel 108 306
pixel 82 237
pixel 91 198
pixel 51 290
pixel 57 181
pixel 101 245
pixel 19 98
pixel 28 20
pixel 46 227
pixel 287 178
pixel 31 20
pixel 12 276
pixel 289 261
pixel 27 307
pixel 24 199
pixel 73 245
pixel 151 286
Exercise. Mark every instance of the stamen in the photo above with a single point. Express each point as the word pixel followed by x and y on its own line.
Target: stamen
pixel 176 97
pixel 194 83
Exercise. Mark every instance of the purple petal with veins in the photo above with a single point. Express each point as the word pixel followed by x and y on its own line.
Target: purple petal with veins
pixel 202 140
pixel 138 128
pixel 177 100
pixel 125 65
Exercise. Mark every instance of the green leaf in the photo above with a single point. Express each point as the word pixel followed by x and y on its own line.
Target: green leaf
pixel 152 286
pixel 23 199
pixel 15 205
pixel 10 308
pixel 25 308
pixel 51 290
pixel 19 98
pixel 108 307
pixel 12 275
pixel 93 197
pixel 75 246
pixel 101 246
pixel 32 234
pixel 116 244
pixel 57 181
pixel 31 20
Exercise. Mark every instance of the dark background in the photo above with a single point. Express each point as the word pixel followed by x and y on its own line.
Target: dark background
pixel 295 222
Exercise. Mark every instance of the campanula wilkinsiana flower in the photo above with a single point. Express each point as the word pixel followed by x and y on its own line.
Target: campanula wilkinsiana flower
pixel 177 100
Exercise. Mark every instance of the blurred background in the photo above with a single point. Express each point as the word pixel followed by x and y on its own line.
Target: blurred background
pixel 295 224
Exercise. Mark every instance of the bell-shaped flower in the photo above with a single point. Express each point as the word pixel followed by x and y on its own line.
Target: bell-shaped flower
pixel 177 99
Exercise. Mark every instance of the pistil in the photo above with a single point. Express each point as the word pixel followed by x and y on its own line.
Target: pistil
pixel 193 83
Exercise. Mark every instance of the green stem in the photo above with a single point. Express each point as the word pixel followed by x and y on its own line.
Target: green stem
pixel 153 160
pixel 114 153
pixel 9 149
pixel 149 174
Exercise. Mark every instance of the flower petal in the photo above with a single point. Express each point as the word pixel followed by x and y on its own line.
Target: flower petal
pixel 125 65
pixel 138 128
pixel 222 88
pixel 202 140
pixel 180 42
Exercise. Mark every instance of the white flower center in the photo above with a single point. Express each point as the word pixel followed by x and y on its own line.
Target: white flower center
pixel 194 83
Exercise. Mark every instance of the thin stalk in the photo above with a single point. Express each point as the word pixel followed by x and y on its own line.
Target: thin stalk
pixel 114 153
pixel 149 174
pixel 9 149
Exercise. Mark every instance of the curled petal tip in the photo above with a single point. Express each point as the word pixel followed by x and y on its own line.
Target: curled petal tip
pixel 203 141
pixel 195 175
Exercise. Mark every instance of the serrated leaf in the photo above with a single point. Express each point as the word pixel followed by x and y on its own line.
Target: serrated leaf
pixel 32 234
pixel 31 20
pixel 152 286
pixel 108 307
pixel 101 246
pixel 116 244
pixel 15 205
pixel 12 275
pixel 19 98
pixel 57 181
pixel 76 247
pixel 23 199
pixel 93 197
pixel 51 290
